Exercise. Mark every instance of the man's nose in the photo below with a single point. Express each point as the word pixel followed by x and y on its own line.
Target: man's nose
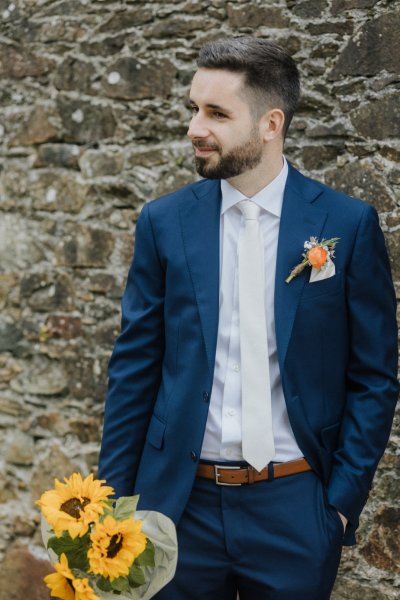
pixel 197 127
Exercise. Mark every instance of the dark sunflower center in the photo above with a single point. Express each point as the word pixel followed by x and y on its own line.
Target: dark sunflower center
pixel 74 506
pixel 114 546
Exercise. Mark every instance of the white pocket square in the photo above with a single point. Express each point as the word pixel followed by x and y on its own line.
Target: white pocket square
pixel 323 273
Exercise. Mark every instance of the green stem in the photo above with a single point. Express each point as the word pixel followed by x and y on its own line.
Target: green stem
pixel 297 270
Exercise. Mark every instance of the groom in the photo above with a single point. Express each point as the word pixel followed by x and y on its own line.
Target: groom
pixel 250 410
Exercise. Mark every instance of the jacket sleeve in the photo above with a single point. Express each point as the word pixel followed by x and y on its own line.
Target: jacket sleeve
pixel 135 364
pixel 372 386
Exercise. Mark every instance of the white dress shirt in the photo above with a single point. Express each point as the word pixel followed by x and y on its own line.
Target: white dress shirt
pixel 223 434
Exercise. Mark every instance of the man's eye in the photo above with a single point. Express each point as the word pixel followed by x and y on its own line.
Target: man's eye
pixel 194 109
pixel 219 115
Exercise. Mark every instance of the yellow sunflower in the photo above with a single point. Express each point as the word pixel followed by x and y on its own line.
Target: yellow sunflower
pixel 83 591
pixel 73 505
pixel 115 545
pixel 64 585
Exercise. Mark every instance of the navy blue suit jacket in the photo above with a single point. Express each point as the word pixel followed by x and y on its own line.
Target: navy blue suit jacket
pixel 336 338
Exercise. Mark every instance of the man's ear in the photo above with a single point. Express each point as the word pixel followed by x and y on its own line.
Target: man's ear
pixel 271 124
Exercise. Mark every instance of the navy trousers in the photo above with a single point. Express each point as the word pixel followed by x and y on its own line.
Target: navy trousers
pixel 272 540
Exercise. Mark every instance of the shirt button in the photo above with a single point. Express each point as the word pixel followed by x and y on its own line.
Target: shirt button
pixel 236 368
pixel 193 456
pixel 231 412
pixel 228 452
pixel 206 396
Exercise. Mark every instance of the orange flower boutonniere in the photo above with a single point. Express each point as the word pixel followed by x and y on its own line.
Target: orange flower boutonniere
pixel 316 254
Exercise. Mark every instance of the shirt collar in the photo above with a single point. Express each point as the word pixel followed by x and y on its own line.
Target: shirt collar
pixel 269 198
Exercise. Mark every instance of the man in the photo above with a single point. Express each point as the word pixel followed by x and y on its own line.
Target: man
pixel 194 404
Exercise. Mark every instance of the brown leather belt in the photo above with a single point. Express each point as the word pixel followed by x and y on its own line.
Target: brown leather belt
pixel 231 475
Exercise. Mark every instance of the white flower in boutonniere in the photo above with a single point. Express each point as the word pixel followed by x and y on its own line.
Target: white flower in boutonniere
pixel 316 254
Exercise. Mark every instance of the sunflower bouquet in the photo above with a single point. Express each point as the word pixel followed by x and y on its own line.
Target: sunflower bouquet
pixel 99 548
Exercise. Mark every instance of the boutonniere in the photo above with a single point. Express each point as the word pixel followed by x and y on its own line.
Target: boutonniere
pixel 316 254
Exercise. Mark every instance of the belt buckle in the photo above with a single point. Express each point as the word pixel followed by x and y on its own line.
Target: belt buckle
pixel 217 475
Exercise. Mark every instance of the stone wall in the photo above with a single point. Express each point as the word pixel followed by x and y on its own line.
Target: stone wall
pixel 92 125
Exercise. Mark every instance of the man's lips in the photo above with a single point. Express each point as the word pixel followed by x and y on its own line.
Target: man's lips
pixel 204 150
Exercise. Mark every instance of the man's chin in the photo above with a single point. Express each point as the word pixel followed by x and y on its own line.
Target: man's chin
pixel 204 169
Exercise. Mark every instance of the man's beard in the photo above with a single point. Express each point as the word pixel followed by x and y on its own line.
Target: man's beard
pixel 235 162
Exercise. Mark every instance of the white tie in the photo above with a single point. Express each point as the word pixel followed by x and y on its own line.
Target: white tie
pixel 257 436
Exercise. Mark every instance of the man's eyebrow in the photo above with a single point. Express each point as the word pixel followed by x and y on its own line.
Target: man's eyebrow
pixel 190 102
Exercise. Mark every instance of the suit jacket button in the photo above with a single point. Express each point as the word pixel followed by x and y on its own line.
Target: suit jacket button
pixel 206 396
pixel 193 456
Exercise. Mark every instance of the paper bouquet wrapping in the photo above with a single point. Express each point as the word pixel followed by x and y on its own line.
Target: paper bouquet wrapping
pixel 103 549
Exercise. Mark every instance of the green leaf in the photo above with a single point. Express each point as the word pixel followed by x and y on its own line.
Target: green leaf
pixel 74 549
pixel 146 559
pixel 107 509
pixel 103 584
pixel 136 576
pixel 62 544
pixel 79 574
pixel 121 584
pixel 125 507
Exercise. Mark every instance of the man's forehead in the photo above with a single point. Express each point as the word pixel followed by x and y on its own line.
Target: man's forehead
pixel 213 85
pixel 206 76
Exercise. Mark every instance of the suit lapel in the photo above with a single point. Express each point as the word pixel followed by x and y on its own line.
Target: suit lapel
pixel 200 222
pixel 300 219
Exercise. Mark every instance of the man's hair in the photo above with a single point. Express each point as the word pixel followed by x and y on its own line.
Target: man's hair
pixel 269 71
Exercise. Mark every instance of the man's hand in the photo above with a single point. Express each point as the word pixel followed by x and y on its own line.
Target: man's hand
pixel 344 520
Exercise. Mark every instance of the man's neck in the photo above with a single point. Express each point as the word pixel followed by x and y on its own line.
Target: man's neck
pixel 254 180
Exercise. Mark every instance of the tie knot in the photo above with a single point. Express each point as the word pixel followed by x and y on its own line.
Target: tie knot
pixel 249 210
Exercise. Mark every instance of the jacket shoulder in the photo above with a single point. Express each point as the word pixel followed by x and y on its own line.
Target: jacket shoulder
pixel 167 201
pixel 330 198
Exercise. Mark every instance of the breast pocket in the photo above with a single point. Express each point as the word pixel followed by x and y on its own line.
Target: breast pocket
pixel 330 286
